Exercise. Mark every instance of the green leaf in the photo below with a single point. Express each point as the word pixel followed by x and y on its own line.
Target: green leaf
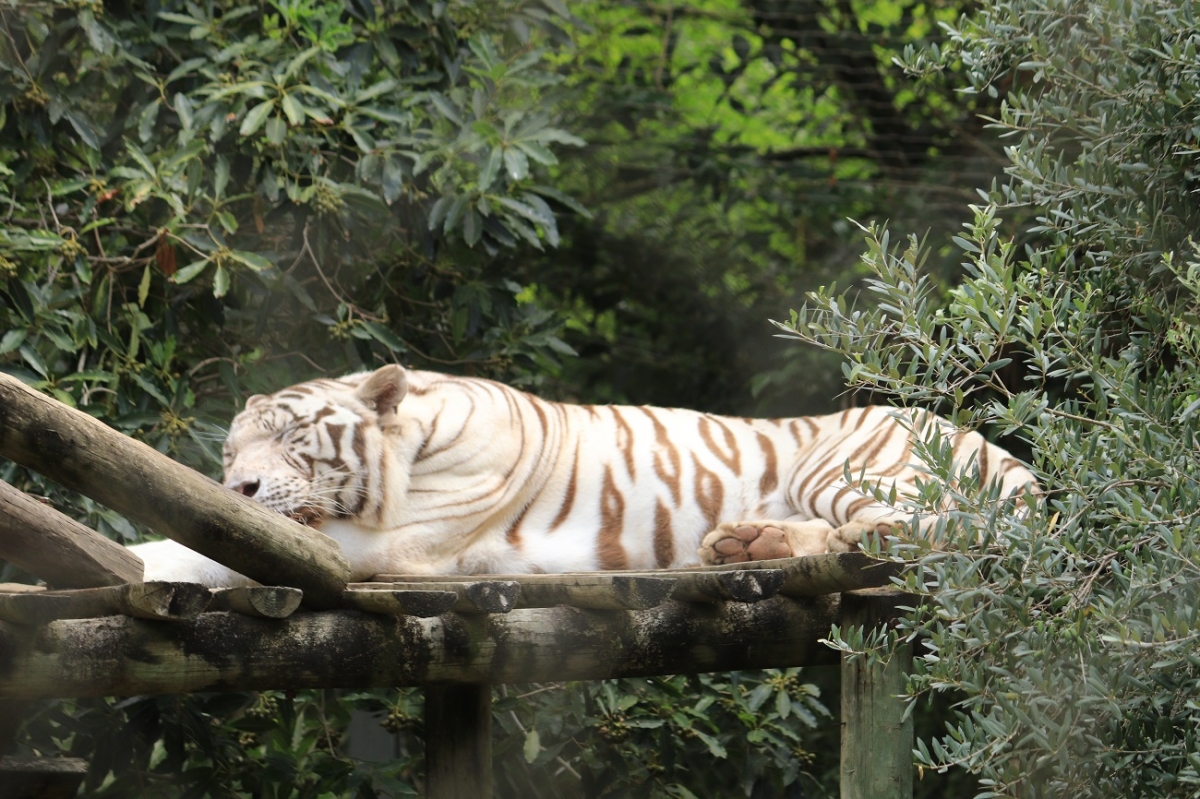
pixel 221 176
pixel 714 746
pixel 472 228
pixel 12 339
pixel 392 179
pixel 516 163
pixel 146 121
pixel 144 287
pixel 220 282
pixel 34 359
pixel 276 130
pixel 190 271
pixel 183 107
pixel 255 117
pixel 384 336
pixel 373 91
pixel 293 108
pixel 252 260
pixel 491 168
pixel 443 104
pixel 533 746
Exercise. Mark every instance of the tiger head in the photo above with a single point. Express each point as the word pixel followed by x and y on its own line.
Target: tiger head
pixel 315 451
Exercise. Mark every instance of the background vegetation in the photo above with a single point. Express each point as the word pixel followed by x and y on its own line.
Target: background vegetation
pixel 605 202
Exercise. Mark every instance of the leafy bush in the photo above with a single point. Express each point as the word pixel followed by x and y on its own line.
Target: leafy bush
pixel 1068 627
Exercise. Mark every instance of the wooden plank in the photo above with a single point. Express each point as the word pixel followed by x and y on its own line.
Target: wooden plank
pixel 811 575
pixel 625 590
pixel 41 777
pixel 458 741
pixel 154 600
pixel 264 601
pixel 400 603
pixel 877 740
pixel 20 588
pixel 85 455
pixel 350 649
pixel 750 585
pixel 59 549
pixel 483 596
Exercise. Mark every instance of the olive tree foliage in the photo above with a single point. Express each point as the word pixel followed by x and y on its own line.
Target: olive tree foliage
pixel 1066 623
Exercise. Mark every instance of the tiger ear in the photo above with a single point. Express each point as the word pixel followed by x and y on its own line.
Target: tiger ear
pixel 384 389
pixel 254 399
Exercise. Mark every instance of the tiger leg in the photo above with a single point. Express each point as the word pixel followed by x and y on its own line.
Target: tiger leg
pixel 739 542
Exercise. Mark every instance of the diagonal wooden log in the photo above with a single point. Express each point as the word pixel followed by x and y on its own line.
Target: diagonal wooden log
pixel 58 549
pixel 350 649
pixel 83 454
pixel 154 600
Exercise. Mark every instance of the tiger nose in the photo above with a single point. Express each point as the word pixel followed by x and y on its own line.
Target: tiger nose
pixel 246 488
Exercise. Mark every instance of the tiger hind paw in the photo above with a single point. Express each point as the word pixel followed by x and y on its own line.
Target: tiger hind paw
pixel 739 542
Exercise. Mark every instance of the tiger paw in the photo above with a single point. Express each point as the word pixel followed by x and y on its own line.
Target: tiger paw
pixel 848 537
pixel 739 542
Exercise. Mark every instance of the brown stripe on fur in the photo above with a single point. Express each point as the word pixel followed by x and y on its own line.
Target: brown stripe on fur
pixel 664 537
pixel 863 413
pixel 625 441
pixel 856 506
pixel 513 536
pixel 709 492
pixel 424 455
pixel 770 476
pixel 983 463
pixel 823 478
pixel 734 460
pixel 792 425
pixel 569 497
pixel 612 524
pixel 663 444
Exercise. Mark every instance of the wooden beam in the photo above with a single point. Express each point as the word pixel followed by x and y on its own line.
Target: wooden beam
pixel 400 603
pixel 810 575
pixel 58 549
pixel 623 590
pixel 458 741
pixel 477 596
pixel 85 455
pixel 41 777
pixel 877 739
pixel 349 649
pixel 161 601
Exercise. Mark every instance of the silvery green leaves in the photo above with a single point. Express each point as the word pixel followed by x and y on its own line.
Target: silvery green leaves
pixel 1068 622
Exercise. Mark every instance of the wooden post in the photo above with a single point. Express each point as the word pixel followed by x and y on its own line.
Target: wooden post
pixel 85 455
pixel 877 741
pixel 60 550
pixel 458 741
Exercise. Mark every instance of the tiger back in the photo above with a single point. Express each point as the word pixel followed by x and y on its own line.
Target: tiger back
pixel 419 472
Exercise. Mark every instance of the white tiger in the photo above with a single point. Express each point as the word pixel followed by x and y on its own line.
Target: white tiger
pixel 423 473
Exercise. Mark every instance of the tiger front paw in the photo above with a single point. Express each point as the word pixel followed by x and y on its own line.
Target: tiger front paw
pixel 848 537
pixel 740 542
